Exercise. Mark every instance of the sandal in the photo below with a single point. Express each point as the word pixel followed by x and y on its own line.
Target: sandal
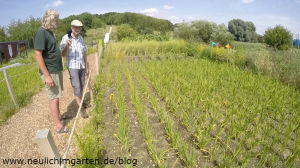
pixel 85 105
pixel 64 117
pixel 63 129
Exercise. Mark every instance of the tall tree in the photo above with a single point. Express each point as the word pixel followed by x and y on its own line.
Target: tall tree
pixel 18 30
pixel 242 30
pixel 2 34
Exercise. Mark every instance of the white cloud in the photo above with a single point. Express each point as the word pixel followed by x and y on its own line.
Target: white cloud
pixel 55 4
pixel 262 23
pixel 174 19
pixel 150 11
pixel 190 18
pixel 168 7
pixel 247 1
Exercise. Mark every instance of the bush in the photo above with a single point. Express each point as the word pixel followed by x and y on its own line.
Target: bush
pixel 204 29
pixel 125 31
pixel 221 35
pixel 185 31
pixel 278 37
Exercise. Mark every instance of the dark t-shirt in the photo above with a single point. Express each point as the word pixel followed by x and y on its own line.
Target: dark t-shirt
pixel 44 40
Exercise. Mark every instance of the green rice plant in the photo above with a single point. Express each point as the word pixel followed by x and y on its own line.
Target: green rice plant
pixel 89 142
pixel 226 107
pixel 157 156
pixel 185 152
pixel 237 97
pixel 149 48
pixel 123 127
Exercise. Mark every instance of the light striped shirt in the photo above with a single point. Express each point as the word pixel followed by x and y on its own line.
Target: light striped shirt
pixel 75 57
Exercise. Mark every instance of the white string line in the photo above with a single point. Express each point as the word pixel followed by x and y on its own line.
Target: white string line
pixel 74 125
pixel 19 74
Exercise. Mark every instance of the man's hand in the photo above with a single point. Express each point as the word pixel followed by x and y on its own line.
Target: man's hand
pixel 66 49
pixel 69 42
pixel 40 61
pixel 49 81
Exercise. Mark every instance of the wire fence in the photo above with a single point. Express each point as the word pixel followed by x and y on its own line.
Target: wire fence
pixel 34 68
pixel 16 78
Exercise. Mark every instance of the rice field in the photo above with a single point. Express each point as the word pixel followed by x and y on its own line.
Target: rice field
pixel 177 111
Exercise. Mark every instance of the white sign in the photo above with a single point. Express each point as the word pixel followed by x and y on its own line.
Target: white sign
pixel 10 50
pixel 106 38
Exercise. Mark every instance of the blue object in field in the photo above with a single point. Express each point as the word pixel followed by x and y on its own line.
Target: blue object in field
pixel 214 44
pixel 297 42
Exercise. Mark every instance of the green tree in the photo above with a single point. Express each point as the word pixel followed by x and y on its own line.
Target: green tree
pixel 2 34
pixel 242 30
pixel 278 37
pixel 203 31
pixel 125 31
pixel 18 30
pixel 97 23
pixel 140 23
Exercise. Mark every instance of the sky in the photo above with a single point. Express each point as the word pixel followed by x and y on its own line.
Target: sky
pixel 263 13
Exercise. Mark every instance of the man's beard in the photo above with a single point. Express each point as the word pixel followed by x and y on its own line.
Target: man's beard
pixel 76 33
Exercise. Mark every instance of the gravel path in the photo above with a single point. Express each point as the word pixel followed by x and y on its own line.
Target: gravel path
pixel 17 134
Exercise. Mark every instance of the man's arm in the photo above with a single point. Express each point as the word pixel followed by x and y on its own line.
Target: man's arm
pixel 40 62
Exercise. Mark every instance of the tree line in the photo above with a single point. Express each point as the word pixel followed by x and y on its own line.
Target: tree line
pixel 25 30
pixel 133 24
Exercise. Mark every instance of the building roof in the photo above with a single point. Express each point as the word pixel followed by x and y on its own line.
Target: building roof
pixel 9 42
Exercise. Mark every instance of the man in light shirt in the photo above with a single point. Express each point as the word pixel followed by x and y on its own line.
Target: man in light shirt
pixel 74 49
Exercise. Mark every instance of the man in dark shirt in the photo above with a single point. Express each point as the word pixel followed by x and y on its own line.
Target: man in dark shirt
pixel 49 60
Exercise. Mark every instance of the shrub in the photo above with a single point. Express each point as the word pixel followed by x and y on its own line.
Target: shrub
pixel 221 35
pixel 125 31
pixel 278 37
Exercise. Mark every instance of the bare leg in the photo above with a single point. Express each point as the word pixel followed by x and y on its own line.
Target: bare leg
pixel 78 100
pixel 55 113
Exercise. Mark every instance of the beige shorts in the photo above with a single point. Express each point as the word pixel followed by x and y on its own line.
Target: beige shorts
pixel 55 91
